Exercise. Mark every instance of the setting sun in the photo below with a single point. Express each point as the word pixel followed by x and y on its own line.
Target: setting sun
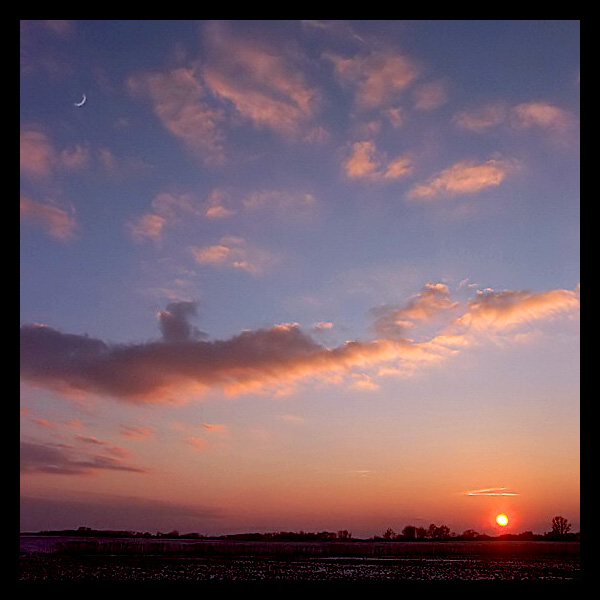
pixel 502 520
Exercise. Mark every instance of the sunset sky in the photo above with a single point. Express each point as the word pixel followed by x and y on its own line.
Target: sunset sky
pixel 299 275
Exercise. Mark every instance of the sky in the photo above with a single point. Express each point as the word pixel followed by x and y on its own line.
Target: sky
pixel 299 275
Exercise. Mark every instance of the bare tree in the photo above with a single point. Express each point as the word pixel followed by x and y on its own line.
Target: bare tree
pixel 560 526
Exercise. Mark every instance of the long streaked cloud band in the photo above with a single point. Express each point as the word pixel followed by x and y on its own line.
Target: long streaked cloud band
pixel 181 363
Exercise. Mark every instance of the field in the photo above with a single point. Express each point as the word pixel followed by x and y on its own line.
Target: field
pixel 152 560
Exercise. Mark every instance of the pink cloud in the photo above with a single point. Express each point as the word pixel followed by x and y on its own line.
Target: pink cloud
pixel 198 443
pixel 179 101
pixel 37 154
pixel 465 177
pixel 368 163
pixel 501 311
pixel 137 431
pixel 430 96
pixel 235 253
pixel 262 84
pixel 148 226
pixel 543 115
pixel 255 360
pixel 481 119
pixel 378 77
pixel 55 221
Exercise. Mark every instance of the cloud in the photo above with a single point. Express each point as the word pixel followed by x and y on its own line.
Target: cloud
pixel 481 119
pixel 367 163
pixel 55 221
pixel 465 177
pixel 217 205
pixel 497 491
pixel 276 356
pixel 105 511
pixel 40 158
pixel 262 84
pixel 433 300
pixel 167 208
pixel 54 459
pixel 197 443
pixel 559 123
pixel 37 153
pixel 377 77
pixel 285 204
pixel 180 102
pixel 430 96
pixel 174 322
pixel 235 253
pixel 543 115
pixel 137 431
pixel 148 226
pixel 503 310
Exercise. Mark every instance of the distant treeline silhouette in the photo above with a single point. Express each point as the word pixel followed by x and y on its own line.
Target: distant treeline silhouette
pixel 561 530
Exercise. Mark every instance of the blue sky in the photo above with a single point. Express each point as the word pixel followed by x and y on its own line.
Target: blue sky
pixel 265 245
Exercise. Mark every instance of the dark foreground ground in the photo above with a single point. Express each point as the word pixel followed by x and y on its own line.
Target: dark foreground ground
pixel 185 569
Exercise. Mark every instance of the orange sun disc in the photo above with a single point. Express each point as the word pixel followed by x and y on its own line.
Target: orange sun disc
pixel 502 520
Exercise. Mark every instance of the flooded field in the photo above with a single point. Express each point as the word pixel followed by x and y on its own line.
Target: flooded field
pixel 118 560
pixel 113 568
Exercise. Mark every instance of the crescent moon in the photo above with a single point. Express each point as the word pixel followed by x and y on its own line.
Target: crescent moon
pixel 82 101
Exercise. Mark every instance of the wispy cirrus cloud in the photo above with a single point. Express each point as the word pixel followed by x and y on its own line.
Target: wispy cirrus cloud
pixel 138 431
pixel 282 354
pixel 495 491
pixel 61 459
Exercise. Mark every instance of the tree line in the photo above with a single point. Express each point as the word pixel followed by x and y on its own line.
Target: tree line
pixel 560 530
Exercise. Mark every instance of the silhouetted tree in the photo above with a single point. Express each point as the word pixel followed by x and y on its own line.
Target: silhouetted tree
pixel 560 527
pixel 409 532
pixel 421 533
pixel 389 534
pixel 344 534
pixel 469 534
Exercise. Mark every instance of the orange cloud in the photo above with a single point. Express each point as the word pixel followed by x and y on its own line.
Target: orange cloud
pixel 234 252
pixel 432 300
pixel 497 311
pixel 366 162
pixel 465 177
